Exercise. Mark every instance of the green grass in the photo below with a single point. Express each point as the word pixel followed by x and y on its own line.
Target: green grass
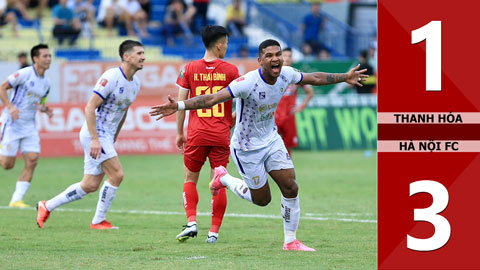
pixel 334 185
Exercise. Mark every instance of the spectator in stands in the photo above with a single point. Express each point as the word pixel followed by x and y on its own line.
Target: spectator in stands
pixel 369 83
pixel 112 12
pixel 147 7
pixel 323 55
pixel 39 4
pixel 307 52
pixel 236 18
pixel 85 12
pixel 177 20
pixel 313 25
pixel 66 25
pixel 19 8
pixel 138 15
pixel 200 19
pixel 7 16
pixel 22 60
pixel 244 53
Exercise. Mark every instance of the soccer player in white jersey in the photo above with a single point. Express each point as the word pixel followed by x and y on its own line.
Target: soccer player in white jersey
pixel 105 114
pixel 18 130
pixel 256 147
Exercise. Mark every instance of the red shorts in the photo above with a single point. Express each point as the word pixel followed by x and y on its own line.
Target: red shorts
pixel 195 156
pixel 288 130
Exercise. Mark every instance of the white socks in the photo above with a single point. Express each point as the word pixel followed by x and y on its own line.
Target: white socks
pixel 20 190
pixel 72 193
pixel 238 186
pixel 105 198
pixel 291 217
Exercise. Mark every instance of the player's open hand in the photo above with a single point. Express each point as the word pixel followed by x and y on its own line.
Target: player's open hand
pixel 164 109
pixel 14 112
pixel 180 142
pixel 355 76
pixel 95 149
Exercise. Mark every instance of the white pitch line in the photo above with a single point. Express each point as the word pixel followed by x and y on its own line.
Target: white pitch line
pixel 168 213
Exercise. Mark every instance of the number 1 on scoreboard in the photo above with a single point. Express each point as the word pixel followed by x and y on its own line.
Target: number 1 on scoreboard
pixel 432 33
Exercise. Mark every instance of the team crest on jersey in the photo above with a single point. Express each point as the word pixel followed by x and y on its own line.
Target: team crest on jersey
pixel 282 90
pixel 182 72
pixel 261 95
pixel 240 79
pixel 103 82
pixel 120 90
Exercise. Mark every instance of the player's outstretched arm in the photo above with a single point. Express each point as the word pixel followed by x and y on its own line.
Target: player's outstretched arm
pixel 353 77
pixel 198 102
pixel 4 98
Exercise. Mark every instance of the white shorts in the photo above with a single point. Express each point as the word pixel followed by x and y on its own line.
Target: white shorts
pixel 94 166
pixel 254 165
pixel 13 139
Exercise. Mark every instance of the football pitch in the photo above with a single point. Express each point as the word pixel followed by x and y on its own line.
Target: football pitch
pixel 338 218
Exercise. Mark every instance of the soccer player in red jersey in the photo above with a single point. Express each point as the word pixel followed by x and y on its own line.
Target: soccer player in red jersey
pixel 208 129
pixel 285 117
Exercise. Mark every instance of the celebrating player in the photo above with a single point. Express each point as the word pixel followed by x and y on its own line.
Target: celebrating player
pixel 105 113
pixel 18 129
pixel 256 146
pixel 285 114
pixel 208 129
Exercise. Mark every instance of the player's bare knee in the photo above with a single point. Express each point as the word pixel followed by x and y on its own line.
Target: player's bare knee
pixel 31 163
pixel 290 190
pixel 262 201
pixel 117 178
pixel 90 187
pixel 7 165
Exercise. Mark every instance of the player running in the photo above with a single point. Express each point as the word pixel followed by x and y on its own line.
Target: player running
pixel 208 129
pixel 256 147
pixel 285 114
pixel 18 130
pixel 105 114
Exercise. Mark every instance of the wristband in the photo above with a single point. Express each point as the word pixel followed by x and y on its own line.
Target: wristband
pixel 181 106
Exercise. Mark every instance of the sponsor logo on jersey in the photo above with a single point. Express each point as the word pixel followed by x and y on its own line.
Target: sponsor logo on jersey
pixel 210 67
pixel 103 82
pixel 261 95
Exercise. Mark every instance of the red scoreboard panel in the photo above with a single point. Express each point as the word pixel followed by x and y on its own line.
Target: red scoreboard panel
pixel 428 134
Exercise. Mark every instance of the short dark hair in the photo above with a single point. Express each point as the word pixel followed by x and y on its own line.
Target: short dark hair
pixel 211 34
pixel 127 45
pixel 288 49
pixel 364 54
pixel 267 43
pixel 35 51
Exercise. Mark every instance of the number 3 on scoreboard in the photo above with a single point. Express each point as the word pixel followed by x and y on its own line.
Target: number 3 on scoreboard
pixel 217 109
pixel 432 32
pixel 430 214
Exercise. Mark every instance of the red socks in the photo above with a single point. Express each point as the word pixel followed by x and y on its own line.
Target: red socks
pixel 219 204
pixel 190 200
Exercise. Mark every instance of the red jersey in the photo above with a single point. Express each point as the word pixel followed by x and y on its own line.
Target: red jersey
pixel 208 126
pixel 287 103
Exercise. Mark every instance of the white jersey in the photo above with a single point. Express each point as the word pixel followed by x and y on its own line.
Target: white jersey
pixel 29 89
pixel 256 105
pixel 117 94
